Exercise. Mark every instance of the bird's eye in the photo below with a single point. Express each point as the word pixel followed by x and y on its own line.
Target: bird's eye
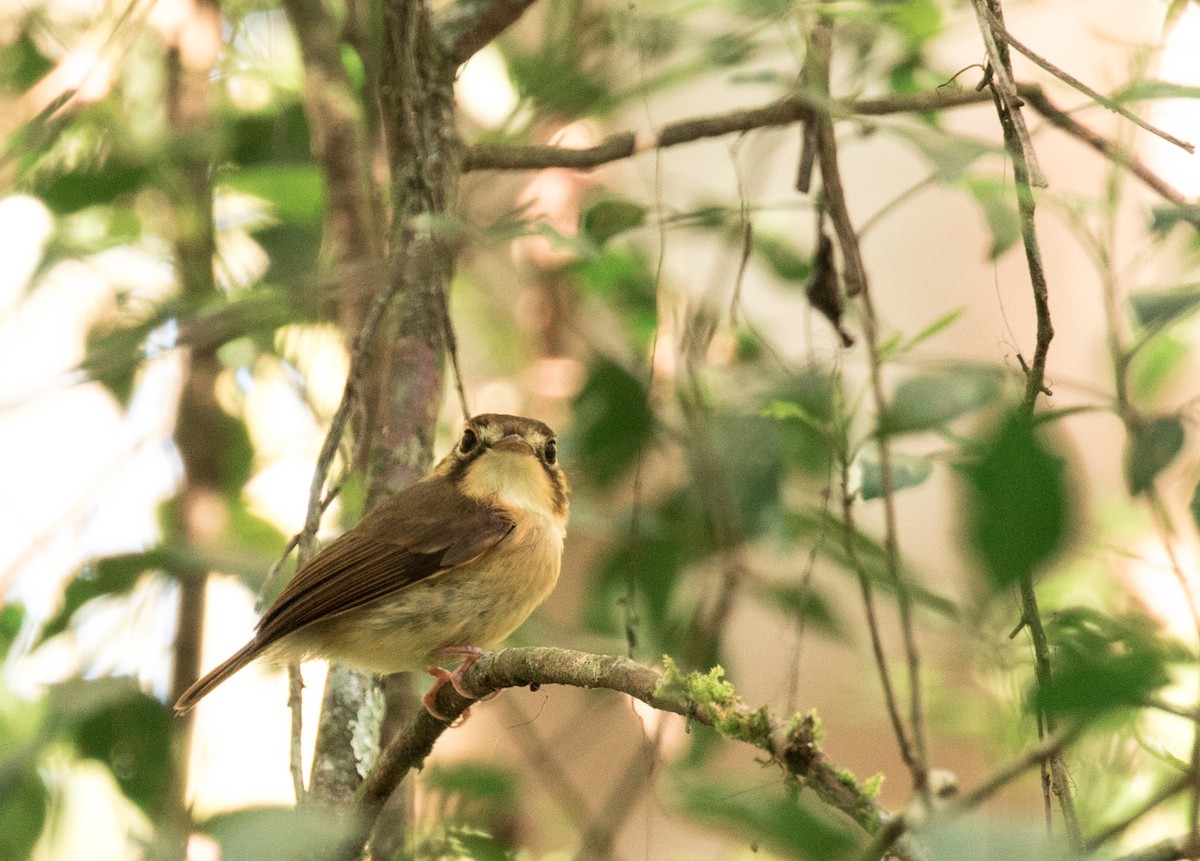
pixel 550 453
pixel 469 441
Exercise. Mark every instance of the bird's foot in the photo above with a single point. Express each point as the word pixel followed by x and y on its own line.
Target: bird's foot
pixel 470 654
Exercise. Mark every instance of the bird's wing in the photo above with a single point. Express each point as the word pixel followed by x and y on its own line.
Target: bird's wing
pixel 412 535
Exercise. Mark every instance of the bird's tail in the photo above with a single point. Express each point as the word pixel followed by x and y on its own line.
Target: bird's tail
pixel 204 686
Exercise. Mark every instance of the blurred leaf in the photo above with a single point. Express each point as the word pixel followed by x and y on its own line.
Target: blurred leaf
pixel 479 846
pixel 626 285
pixel 729 49
pixel 1018 512
pixel 999 211
pixel 612 423
pixel 605 219
pixel 805 602
pixel 949 154
pixel 278 833
pixel 1166 217
pixel 1152 447
pixel 93 184
pixel 1102 662
pixel 932 400
pixel 1175 10
pixel 111 721
pixel 766 10
pixel 933 329
pixel 797 827
pixel 752 466
pixel 1195 506
pixel 295 191
pixel 808 397
pixel 983 839
pixel 110 575
pixel 12 617
pixel 820 529
pixel 908 470
pixel 276 136
pixel 23 804
pixel 1154 362
pixel 784 410
pixel 474 780
pixel 1162 307
pixel 917 20
pixel 670 535
pixel 558 84
pixel 1143 91
pixel 782 257
pixel 21 63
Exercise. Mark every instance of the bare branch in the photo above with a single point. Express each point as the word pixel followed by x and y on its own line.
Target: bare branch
pixel 1115 107
pixel 469 25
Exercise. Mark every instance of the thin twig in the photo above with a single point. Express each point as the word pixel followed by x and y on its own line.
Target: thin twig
pixel 857 285
pixel 1067 78
pixel 295 748
pixel 1001 73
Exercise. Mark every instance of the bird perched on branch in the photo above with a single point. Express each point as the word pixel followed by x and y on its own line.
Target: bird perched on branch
pixel 445 568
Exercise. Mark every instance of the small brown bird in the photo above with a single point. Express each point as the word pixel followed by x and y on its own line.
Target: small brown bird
pixel 447 567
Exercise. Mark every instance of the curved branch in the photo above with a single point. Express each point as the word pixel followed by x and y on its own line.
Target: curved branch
pixel 469 25
pixel 791 744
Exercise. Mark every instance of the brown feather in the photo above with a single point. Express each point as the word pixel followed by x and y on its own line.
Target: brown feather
pixel 401 542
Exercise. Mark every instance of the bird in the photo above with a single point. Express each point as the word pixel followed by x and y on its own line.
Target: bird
pixel 446 568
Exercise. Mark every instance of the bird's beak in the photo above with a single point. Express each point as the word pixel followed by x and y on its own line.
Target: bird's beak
pixel 514 443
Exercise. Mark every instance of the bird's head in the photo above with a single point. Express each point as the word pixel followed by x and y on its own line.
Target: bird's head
pixel 510 460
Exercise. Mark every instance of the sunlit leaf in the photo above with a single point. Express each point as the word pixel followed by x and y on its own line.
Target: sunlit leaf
pixel 1018 513
pixel 917 20
pixel 296 192
pixel 930 401
pixel 612 422
pixel 12 617
pixel 278 833
pixel 908 470
pixel 110 575
pixel 1152 447
pixel 1104 662
pixel 797 827
pixel 605 219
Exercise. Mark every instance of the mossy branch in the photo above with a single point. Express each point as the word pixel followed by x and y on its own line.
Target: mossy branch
pixel 705 698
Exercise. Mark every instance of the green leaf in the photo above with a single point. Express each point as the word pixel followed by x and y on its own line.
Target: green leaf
pixel 751 463
pixel 12 617
pixel 908 470
pixel 1143 91
pixel 278 833
pixel 794 826
pixel 782 257
pixel 999 211
pixel 23 804
pixel 479 781
pixel 111 721
pixel 805 602
pixel 1152 447
pixel 949 154
pixel 917 20
pixel 276 136
pixel 1155 362
pixel 1162 307
pixel 935 328
pixel 623 281
pixel 95 184
pixel 1195 506
pixel 1102 662
pixel 295 191
pixel 605 219
pixel 111 575
pixel 1166 217
pixel 931 401
pixel 557 84
pixel 612 423
pixel 1018 512
pixel 981 838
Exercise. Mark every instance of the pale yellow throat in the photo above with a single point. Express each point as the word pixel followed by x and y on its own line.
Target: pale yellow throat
pixel 513 479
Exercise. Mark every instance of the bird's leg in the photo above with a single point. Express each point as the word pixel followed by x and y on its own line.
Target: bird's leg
pixel 470 654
